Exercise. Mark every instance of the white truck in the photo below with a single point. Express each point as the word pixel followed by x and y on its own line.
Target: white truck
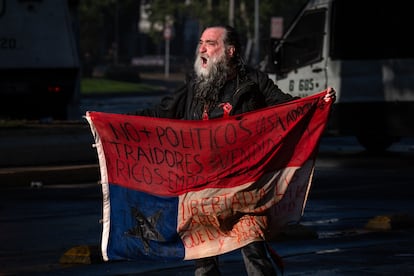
pixel 39 60
pixel 365 51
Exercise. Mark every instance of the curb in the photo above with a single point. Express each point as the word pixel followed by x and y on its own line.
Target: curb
pixel 35 154
pixel 35 177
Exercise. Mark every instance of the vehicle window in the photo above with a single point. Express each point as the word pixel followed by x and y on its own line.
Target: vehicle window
pixel 304 44
pixel 371 29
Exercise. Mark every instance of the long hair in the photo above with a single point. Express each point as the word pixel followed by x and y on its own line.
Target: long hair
pixel 232 38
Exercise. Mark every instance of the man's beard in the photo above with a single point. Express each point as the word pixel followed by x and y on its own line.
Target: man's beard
pixel 210 80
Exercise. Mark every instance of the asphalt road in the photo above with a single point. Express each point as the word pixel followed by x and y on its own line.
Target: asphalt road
pixel 360 206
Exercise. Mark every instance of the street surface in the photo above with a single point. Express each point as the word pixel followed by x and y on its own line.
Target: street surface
pixel 351 188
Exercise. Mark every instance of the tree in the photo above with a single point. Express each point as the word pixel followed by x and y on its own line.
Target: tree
pixel 104 23
pixel 210 12
pixel 109 25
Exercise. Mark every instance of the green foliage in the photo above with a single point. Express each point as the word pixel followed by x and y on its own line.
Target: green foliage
pixel 97 21
pixel 101 21
pixel 210 12
pixel 91 20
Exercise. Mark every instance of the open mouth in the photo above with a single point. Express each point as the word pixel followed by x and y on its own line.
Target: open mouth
pixel 203 61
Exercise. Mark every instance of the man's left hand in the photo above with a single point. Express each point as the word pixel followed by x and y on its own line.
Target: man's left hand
pixel 330 95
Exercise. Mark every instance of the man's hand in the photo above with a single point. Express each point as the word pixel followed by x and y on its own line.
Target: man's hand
pixel 330 95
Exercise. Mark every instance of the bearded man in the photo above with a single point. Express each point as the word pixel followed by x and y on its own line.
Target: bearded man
pixel 222 85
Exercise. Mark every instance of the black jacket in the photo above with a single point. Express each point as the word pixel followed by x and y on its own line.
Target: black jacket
pixel 250 90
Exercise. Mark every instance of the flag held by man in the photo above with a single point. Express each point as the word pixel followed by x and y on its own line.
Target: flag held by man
pixel 178 189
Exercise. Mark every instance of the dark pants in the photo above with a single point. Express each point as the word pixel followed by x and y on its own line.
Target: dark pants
pixel 255 259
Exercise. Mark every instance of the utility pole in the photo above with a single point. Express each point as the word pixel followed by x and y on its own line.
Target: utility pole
pixel 256 49
pixel 167 58
pixel 231 13
pixel 116 33
pixel 167 38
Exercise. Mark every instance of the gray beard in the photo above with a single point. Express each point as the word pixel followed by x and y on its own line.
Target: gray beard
pixel 207 88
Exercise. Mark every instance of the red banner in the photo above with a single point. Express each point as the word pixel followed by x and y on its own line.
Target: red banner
pixel 236 178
